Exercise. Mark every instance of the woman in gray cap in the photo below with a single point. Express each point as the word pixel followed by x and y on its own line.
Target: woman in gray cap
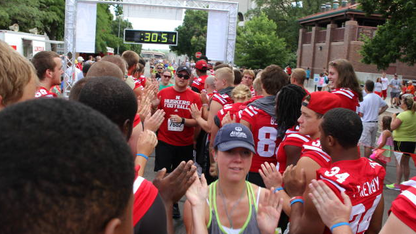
pixel 231 204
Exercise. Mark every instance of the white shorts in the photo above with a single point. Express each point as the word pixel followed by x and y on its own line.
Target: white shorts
pixel 368 137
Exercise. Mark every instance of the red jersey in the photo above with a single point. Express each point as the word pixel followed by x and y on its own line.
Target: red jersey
pixel 362 181
pixel 199 82
pixel 222 99
pixel 177 103
pixel 404 206
pixel 313 150
pixel 293 138
pixel 233 109
pixel 264 129
pixel 349 98
pixel 144 195
pixel 43 92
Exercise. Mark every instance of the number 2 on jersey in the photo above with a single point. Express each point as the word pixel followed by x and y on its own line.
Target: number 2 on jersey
pixel 266 146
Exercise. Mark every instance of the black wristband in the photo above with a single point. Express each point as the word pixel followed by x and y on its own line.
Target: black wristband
pixel 183 121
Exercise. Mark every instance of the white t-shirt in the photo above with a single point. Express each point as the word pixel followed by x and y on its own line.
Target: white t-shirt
pixel 378 87
pixel 370 106
pixel 385 83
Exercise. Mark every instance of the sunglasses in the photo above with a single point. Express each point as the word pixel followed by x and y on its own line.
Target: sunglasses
pixel 168 76
pixel 186 77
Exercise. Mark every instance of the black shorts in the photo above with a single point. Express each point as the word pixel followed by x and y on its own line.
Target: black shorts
pixel 169 156
pixel 405 146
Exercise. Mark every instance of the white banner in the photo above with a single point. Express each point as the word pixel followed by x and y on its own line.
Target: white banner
pixel 86 27
pixel 152 12
pixel 217 35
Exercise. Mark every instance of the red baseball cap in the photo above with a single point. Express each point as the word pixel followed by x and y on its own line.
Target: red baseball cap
pixel 201 65
pixel 322 102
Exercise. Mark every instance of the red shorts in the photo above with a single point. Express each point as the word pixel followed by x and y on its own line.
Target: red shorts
pixel 378 93
pixel 384 93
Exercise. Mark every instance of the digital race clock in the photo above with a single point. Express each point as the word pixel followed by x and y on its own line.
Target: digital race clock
pixel 132 36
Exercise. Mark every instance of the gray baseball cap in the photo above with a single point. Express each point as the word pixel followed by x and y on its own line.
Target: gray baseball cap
pixel 184 68
pixel 234 135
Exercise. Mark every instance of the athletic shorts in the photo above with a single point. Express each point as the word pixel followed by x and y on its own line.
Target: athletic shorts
pixel 170 156
pixel 394 94
pixel 379 93
pixel 384 93
pixel 369 134
pixel 405 146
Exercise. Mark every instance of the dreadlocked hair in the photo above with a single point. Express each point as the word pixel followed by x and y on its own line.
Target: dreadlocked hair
pixel 288 103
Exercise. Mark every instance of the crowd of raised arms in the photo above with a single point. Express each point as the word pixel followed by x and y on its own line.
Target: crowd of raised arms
pixel 252 151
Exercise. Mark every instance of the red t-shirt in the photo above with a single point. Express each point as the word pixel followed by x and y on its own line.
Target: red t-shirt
pixel 264 129
pixel 293 138
pixel 349 98
pixel 199 82
pixel 313 150
pixel 362 181
pixel 144 195
pixel 404 206
pixel 177 103
pixel 43 92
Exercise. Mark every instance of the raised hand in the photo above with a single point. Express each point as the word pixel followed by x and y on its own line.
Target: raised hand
pixel 270 175
pixel 197 194
pixel 173 187
pixel 228 119
pixel 328 205
pixel 195 111
pixel 146 142
pixel 268 213
pixel 294 185
pixel 153 122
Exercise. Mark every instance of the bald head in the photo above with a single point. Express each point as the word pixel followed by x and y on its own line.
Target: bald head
pixel 117 60
pixel 104 68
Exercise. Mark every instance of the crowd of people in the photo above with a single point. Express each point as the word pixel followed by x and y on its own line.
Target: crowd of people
pixel 252 151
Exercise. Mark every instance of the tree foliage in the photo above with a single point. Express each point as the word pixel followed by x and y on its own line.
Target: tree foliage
pixel 395 40
pixel 258 45
pixel 192 34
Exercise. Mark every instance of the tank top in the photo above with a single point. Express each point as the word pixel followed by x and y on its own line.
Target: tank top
pixel 250 226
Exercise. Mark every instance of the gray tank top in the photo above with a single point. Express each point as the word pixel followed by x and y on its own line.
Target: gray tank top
pixel 249 227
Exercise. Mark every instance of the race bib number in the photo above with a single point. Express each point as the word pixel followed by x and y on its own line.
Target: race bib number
pixel 175 127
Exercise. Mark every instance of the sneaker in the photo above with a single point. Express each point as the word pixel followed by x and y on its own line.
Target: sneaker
pixel 393 186
pixel 176 214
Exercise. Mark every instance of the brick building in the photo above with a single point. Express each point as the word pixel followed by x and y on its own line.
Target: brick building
pixel 336 32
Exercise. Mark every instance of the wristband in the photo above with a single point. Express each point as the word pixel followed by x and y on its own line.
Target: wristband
pixel 296 199
pixel 278 189
pixel 183 121
pixel 339 224
pixel 144 156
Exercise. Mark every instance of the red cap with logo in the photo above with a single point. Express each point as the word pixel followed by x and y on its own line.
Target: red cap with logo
pixel 322 102
pixel 201 65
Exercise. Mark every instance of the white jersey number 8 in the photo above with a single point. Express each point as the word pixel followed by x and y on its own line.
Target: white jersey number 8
pixel 266 146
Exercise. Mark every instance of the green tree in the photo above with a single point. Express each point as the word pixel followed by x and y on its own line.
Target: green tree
pixel 192 34
pixel 395 40
pixel 285 14
pixel 258 45
pixel 48 16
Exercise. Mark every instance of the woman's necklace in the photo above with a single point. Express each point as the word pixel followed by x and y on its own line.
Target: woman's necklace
pixel 229 216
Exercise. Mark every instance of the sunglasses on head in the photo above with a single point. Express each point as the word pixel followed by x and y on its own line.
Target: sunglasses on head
pixel 186 77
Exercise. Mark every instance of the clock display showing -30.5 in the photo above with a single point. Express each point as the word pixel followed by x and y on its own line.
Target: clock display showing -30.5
pixel 150 37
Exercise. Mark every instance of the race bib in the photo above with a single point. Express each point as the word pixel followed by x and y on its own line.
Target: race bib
pixel 175 127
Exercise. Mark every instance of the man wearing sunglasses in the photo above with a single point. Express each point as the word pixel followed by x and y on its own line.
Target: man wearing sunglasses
pixel 176 133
